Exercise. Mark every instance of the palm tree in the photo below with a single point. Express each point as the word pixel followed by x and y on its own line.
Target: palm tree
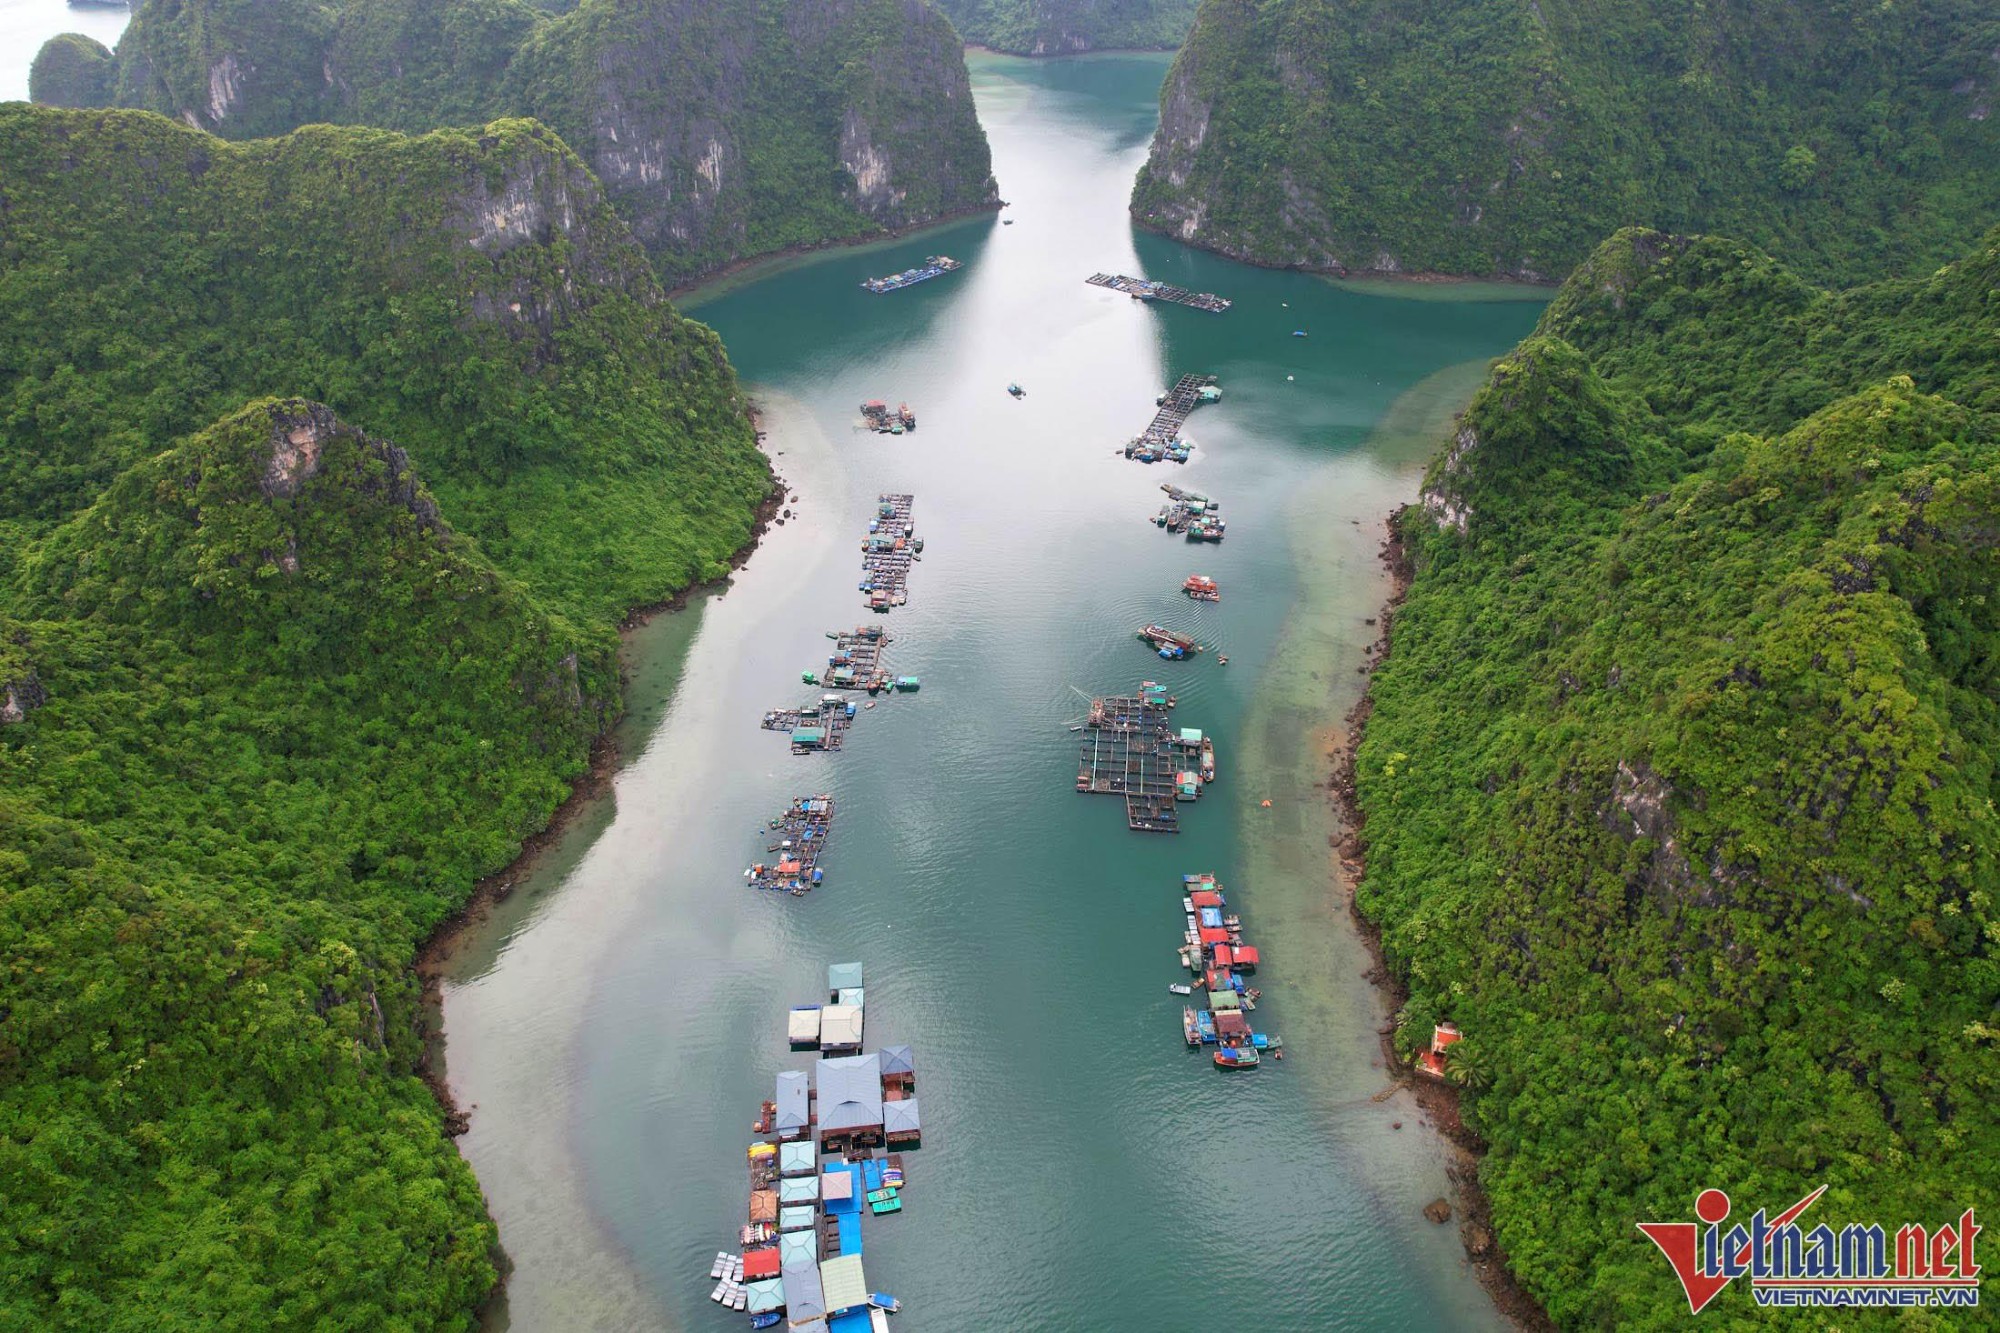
pixel 1463 1066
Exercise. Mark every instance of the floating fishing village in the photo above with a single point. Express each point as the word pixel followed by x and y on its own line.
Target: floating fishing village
pixel 1191 514
pixel 829 1151
pixel 1213 949
pixel 1162 436
pixel 888 551
pixel 799 836
pixel 1142 289
pixel 934 267
pixel 876 416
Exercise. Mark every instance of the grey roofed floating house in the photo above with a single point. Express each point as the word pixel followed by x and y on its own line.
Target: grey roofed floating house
pixel 843 976
pixel 850 1094
pixel 840 1028
pixel 794 1108
pixel 898 1060
pixel 809 1326
pixel 900 1117
pixel 798 1159
pixel 805 1297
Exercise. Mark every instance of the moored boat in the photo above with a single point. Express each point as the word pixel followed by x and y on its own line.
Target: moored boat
pixel 1237 1057
pixel 1181 988
pixel 1207 760
pixel 1017 391
pixel 1201 588
pixel 882 1300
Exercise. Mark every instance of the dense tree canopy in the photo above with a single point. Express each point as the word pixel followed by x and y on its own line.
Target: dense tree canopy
pixel 1679 782
pixel 1854 139
pixel 274 692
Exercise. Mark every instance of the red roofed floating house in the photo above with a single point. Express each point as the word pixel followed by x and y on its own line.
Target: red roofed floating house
pixel 1442 1037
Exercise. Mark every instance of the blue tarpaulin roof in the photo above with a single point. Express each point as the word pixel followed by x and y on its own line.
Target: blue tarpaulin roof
pixel 850 1232
pixel 854 1321
pixel 1211 917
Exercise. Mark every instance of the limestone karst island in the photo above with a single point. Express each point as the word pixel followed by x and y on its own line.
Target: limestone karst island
pixel 975 666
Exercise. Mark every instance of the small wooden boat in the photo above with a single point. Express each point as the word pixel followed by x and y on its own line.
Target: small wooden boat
pixel 721 1264
pixel 769 1319
pixel 1181 988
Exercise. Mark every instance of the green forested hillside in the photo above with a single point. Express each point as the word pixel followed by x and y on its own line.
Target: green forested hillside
pixel 1679 782
pixel 1063 27
pixel 274 692
pixel 1852 138
pixel 720 130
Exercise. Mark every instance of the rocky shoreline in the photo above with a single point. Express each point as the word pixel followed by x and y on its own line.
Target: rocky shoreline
pixel 1439 1101
pixel 736 268
pixel 591 784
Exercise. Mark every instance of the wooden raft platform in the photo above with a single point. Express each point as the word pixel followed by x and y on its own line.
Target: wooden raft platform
pixel 888 551
pixel 1163 432
pixel 1130 748
pixel 856 662
pixel 1142 289
pixel 797 842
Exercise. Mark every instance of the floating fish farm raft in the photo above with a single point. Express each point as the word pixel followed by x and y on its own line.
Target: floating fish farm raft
pixel 1141 289
pixel 1162 436
pixel 856 662
pixel 829 1153
pixel 798 838
pixel 888 551
pixel 1213 949
pixel 1191 514
pixel 1131 748
pixel 934 267
pixel 813 727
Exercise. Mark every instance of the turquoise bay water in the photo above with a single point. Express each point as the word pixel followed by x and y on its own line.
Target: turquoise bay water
pixel 616 1023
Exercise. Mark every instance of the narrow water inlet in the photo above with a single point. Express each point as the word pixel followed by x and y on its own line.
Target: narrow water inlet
pixel 614 1026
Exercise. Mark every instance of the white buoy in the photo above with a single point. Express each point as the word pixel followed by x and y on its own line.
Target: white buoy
pixel 1288 379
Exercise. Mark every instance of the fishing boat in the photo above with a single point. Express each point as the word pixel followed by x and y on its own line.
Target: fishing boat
pixel 908 684
pixel 1207 759
pixel 769 1319
pixel 1181 988
pixel 1201 588
pixel 1190 1027
pixel 882 1300
pixel 1237 1057
pixel 906 416
pixel 1205 1025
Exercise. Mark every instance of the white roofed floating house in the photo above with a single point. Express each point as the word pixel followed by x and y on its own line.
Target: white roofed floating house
pixel 802 1027
pixel 840 1028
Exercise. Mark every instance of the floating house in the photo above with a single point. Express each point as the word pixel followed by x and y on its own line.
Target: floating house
pixel 848 1096
pixel 794 1099
pixel 840 1027
pixel 802 1027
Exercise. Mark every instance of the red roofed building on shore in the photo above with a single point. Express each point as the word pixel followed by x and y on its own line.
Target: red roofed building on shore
pixel 1442 1037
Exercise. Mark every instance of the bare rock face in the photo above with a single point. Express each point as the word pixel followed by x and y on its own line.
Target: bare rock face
pixel 18 698
pixel 1438 1211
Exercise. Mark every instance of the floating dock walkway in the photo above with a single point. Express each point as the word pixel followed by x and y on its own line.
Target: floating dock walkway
pixel 829 1154
pixel 1142 289
pixel 798 839
pixel 888 550
pixel 1162 436
pixel 814 727
pixel 934 267
pixel 1131 748
pixel 856 662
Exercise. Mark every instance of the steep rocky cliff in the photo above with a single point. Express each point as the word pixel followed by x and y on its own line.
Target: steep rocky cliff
pixel 469 293
pixel 721 130
pixel 1680 778
pixel 1065 27
pixel 1509 136
pixel 275 689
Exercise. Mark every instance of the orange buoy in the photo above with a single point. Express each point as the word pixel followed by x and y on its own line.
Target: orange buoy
pixel 1267 805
